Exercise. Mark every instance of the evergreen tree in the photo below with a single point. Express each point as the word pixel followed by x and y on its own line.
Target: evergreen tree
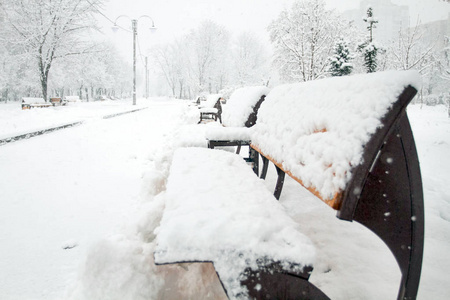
pixel 368 49
pixel 340 61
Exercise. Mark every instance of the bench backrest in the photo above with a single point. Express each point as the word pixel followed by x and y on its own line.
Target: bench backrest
pixel 242 107
pixel 211 101
pixel 55 100
pixel 316 131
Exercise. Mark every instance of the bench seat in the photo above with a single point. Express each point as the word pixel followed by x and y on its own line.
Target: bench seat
pixel 228 218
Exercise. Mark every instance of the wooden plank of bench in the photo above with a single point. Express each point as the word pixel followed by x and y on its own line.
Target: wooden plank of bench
pixel 334 202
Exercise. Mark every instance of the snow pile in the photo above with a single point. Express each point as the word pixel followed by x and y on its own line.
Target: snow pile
pixel 240 105
pixel 228 217
pixel 324 124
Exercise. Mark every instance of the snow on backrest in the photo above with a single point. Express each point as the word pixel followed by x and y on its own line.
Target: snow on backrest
pixel 211 100
pixel 317 129
pixel 30 100
pixel 241 104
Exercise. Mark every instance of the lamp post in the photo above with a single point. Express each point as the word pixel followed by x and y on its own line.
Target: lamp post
pixel 134 25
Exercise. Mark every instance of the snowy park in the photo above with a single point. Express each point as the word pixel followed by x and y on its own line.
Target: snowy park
pixel 144 148
pixel 79 206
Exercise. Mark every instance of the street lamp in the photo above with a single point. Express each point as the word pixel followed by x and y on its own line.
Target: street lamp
pixel 134 24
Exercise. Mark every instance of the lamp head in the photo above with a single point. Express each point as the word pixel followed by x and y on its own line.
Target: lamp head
pixel 153 28
pixel 115 28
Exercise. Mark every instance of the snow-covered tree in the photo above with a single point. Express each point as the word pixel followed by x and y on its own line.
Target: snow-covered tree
pixel 173 62
pixel 249 58
pixel 47 30
pixel 340 64
pixel 444 61
pixel 369 49
pixel 303 38
pixel 209 59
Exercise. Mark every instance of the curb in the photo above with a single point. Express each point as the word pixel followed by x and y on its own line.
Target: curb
pixel 49 130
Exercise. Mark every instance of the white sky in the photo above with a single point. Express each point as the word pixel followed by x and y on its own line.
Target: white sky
pixel 177 17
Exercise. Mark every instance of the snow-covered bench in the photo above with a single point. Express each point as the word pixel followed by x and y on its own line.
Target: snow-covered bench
pixel 238 114
pixel 218 211
pixel 71 99
pixel 29 102
pixel 211 108
pixel 347 140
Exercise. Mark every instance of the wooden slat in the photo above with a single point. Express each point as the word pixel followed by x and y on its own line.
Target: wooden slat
pixel 334 202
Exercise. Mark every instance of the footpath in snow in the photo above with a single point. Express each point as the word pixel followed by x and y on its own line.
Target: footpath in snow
pixel 70 188
pixel 96 188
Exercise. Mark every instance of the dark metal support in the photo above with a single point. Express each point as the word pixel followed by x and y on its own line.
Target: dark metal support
pixel 280 182
pixel 265 167
pixel 385 194
pixel 273 284
pixel 238 149
pixel 391 205
pixel 254 158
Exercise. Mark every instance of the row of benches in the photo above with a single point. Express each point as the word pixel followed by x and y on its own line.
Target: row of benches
pixel 346 140
pixel 29 102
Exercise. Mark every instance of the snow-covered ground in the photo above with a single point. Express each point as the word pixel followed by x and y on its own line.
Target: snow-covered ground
pixel 77 209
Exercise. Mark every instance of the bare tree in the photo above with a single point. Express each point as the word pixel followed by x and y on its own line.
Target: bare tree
pixel 303 38
pixel 410 51
pixel 249 59
pixel 208 59
pixel 48 30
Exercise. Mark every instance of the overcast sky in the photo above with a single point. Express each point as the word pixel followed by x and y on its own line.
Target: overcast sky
pixel 177 17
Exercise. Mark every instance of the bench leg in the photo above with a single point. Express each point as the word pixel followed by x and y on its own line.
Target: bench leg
pixel 265 167
pixel 393 209
pixel 238 150
pixel 254 158
pixel 280 182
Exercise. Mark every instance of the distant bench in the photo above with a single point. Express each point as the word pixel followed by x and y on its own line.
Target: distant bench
pixel 71 99
pixel 56 101
pixel 239 114
pixel 29 102
pixel 211 108
pixel 347 140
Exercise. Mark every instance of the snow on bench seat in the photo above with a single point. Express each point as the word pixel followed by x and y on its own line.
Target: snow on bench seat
pixel 209 110
pixel 217 210
pixel 228 133
pixel 322 126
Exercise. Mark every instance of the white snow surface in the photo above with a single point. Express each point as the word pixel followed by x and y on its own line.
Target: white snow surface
pixel 230 219
pixel 32 100
pixel 15 121
pixel 101 185
pixel 228 133
pixel 324 124
pixel 240 105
